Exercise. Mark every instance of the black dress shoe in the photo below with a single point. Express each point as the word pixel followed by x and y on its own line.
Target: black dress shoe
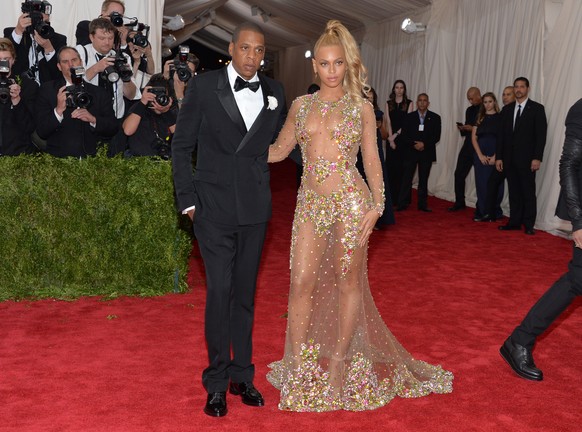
pixel 520 360
pixel 425 209
pixel 249 394
pixel 530 231
pixel 216 404
pixel 486 218
pixel 457 207
pixel 508 228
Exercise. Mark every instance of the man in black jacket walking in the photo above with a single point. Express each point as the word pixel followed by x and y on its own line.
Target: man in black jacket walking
pixel 517 348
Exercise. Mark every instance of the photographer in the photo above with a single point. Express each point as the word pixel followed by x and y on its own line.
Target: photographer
pixel 35 42
pixel 17 98
pixel 141 56
pixel 71 114
pixel 178 72
pixel 107 68
pixel 151 122
pixel 108 8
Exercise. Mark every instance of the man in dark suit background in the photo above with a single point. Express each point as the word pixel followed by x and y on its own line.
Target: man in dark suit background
pixel 16 107
pixel 71 131
pixel 516 350
pixel 519 153
pixel 465 158
pixel 229 117
pixel 421 133
pixel 32 48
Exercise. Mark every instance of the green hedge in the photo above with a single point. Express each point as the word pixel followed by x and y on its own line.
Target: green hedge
pixel 97 226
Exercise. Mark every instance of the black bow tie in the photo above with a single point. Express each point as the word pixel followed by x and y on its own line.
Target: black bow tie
pixel 240 84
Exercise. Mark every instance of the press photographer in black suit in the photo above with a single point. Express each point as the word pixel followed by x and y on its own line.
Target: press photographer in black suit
pixel 517 348
pixel 73 118
pixel 36 43
pixel 17 99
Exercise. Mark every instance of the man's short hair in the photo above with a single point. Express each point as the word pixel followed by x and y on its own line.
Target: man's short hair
pixel 422 94
pixel 524 79
pixel 106 4
pixel 158 80
pixel 7 45
pixel 247 25
pixel 65 48
pixel 101 23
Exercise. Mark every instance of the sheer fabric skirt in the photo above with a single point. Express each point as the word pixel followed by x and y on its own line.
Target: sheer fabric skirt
pixel 339 354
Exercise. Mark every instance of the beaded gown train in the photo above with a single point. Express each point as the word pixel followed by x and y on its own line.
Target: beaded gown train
pixel 339 354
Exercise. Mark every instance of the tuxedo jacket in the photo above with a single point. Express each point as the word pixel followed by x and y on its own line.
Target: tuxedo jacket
pixel 230 184
pixel 430 136
pixel 17 122
pixel 525 142
pixel 73 137
pixel 48 71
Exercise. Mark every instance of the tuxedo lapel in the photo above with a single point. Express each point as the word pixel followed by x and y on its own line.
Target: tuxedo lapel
pixel 226 98
pixel 261 117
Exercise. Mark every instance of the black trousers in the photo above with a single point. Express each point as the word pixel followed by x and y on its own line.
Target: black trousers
pixel 231 257
pixel 551 304
pixel 464 165
pixel 409 167
pixel 521 182
pixel 494 194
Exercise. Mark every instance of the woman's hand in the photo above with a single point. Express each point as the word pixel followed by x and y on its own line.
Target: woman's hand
pixel 367 226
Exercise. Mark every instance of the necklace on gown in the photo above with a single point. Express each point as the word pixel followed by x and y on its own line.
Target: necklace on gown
pixel 325 107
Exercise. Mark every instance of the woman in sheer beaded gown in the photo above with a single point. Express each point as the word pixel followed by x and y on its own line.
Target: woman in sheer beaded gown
pixel 339 354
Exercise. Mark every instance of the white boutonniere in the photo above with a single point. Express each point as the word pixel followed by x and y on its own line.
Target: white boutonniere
pixel 272 102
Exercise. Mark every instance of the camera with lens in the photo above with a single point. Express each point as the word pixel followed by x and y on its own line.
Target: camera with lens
pixel 116 19
pixel 162 148
pixel 35 9
pixel 118 70
pixel 5 82
pixel 140 38
pixel 181 67
pixel 162 97
pixel 77 96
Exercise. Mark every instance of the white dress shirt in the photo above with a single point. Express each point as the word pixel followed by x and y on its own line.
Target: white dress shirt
pixel 249 103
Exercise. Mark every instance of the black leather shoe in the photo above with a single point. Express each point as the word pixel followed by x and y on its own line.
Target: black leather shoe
pixel 508 228
pixel 485 218
pixel 216 404
pixel 425 209
pixel 530 231
pixel 457 207
pixel 520 360
pixel 249 394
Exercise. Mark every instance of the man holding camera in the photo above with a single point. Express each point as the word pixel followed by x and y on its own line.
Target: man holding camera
pixel 178 72
pixel 151 122
pixel 36 42
pixel 109 8
pixel 17 97
pixel 71 114
pixel 107 68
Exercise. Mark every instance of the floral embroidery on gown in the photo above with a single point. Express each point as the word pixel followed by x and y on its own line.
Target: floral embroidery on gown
pixel 339 354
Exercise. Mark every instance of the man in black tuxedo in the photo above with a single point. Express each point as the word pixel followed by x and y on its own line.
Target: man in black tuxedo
pixel 420 134
pixel 32 48
pixel 465 158
pixel 520 149
pixel 517 348
pixel 73 131
pixel 229 117
pixel 16 106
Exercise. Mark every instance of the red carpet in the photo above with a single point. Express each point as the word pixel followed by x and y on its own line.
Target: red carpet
pixel 450 289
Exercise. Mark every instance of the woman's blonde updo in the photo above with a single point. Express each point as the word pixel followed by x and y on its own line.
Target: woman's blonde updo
pixel 355 80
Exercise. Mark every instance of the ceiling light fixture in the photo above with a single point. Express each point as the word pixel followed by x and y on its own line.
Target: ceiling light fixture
pixel 409 26
pixel 174 23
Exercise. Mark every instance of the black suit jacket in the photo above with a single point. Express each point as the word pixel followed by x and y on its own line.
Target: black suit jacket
pixel 231 182
pixel 48 71
pixel 527 141
pixel 73 137
pixel 430 136
pixel 18 121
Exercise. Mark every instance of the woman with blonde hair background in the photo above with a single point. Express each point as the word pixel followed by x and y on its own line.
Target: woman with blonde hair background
pixel 339 354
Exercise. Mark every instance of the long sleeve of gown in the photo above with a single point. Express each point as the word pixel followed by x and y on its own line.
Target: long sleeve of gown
pixel 286 139
pixel 371 158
